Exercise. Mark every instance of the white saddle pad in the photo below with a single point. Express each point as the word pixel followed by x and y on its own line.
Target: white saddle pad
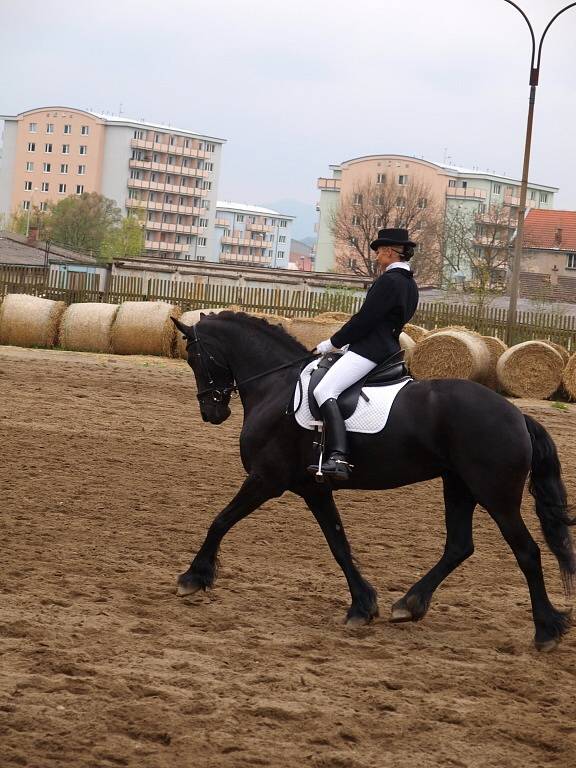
pixel 369 417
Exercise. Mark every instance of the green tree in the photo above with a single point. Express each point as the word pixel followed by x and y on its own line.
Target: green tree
pixel 125 241
pixel 83 222
pixel 22 221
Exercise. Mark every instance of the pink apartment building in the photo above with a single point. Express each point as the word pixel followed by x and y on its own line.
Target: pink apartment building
pixel 166 176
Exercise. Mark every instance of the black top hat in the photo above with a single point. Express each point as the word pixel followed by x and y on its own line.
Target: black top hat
pixel 391 237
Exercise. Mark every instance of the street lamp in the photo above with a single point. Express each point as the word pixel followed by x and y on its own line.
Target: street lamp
pixel 30 206
pixel 534 77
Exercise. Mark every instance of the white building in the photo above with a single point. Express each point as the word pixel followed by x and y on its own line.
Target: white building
pixel 249 235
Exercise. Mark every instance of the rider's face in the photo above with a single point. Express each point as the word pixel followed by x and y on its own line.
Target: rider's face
pixel 387 255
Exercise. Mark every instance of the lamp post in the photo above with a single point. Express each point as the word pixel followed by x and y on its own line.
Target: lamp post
pixel 534 77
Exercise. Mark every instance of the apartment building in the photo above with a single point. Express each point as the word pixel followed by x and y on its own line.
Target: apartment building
pixel 248 235
pixel 549 256
pixel 474 193
pixel 166 176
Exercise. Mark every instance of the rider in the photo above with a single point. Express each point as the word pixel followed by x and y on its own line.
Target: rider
pixel 371 335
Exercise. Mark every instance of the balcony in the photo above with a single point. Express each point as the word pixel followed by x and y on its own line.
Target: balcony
pixel 511 200
pixel 221 223
pixel 164 226
pixel 153 205
pixel 260 227
pixel 245 241
pixel 156 245
pixel 237 258
pixel 169 149
pixel 332 184
pixel 479 194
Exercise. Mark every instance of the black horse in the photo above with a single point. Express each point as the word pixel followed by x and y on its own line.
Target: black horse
pixel 481 446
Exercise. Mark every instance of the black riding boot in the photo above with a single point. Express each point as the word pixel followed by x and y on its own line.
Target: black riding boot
pixel 336 466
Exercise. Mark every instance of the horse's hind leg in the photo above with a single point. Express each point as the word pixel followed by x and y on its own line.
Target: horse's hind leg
pixel 202 571
pixel 550 623
pixel 459 504
pixel 364 605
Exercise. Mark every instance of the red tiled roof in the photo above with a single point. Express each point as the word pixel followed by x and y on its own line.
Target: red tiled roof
pixel 550 229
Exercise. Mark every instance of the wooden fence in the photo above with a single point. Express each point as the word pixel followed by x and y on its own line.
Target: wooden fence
pixel 73 287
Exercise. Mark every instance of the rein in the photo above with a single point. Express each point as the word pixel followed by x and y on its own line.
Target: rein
pixel 219 393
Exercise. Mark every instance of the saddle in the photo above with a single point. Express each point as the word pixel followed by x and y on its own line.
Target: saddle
pixel 391 371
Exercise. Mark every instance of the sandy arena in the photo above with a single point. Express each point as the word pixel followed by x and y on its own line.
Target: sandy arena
pixel 108 480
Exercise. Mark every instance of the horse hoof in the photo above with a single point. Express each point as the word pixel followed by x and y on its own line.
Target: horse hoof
pixel 187 589
pixel 357 621
pixel 399 615
pixel 547 645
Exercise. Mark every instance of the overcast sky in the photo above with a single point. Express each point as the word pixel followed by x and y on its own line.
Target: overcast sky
pixel 297 85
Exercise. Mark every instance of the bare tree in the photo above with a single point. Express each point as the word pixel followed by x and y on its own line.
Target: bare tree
pixel 370 207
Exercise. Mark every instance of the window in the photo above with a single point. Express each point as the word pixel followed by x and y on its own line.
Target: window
pixel 452 183
pixel 65 149
pixel 47 147
pixel 202 242
pixel 464 184
pixel 239 217
pixel 207 185
pixel 402 180
pixel 187 143
pixel 208 166
pixel 31 146
pixel 49 127
pixel 79 189
pixel 64 168
pixel 45 186
pixel 32 127
pixel 157 138
pixel 25 205
pixel 81 170
pixel 83 149
pixel 533 194
pixel 43 206
pixel 496 189
pixel 283 223
pixel 357 199
pixel 168 179
pixel 68 128
pixel 28 186
pixel 29 166
pixel 543 197
pixel 282 238
pixel 62 189
pixel 509 190
pixel 355 221
pixel 210 147
pixel 203 223
pixel 380 178
pixel 138 134
pixel 280 254
pixel 47 167
pixel 134 174
pixel 85 130
pixel 422 202
pixel 152 197
pixel 571 262
pixel 401 202
pixel 481 207
pixel 172 141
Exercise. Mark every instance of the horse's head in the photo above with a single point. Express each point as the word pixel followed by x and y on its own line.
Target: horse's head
pixel 214 379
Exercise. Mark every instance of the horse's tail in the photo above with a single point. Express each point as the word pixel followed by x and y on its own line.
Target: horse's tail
pixel 549 491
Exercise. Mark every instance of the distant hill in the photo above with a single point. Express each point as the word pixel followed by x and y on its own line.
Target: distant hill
pixel 306 217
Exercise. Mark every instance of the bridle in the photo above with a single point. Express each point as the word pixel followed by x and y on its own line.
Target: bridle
pixel 205 357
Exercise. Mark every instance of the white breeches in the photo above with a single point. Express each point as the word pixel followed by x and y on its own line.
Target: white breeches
pixel 345 372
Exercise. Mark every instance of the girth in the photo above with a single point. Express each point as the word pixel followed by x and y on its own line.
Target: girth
pixel 391 371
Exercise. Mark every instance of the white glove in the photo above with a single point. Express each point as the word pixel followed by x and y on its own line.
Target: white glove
pixel 325 347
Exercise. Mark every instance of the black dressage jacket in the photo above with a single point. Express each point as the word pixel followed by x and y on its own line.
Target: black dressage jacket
pixel 374 330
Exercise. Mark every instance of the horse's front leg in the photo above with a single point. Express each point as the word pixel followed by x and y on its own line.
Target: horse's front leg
pixel 364 605
pixel 202 571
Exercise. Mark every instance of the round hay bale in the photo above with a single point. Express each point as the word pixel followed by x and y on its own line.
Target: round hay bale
pixel 561 350
pixel 144 328
pixel 87 327
pixel 569 377
pixel 416 332
pixel 496 349
pixel 450 355
pixel 407 343
pixel 310 331
pixel 29 321
pixel 531 369
pixel 333 317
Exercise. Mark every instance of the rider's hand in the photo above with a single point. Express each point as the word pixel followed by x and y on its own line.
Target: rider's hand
pixel 325 347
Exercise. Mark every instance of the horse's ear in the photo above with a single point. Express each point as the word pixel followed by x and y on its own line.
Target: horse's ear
pixel 203 314
pixel 185 329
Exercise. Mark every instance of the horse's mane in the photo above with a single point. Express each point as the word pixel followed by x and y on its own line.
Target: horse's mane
pixel 276 332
